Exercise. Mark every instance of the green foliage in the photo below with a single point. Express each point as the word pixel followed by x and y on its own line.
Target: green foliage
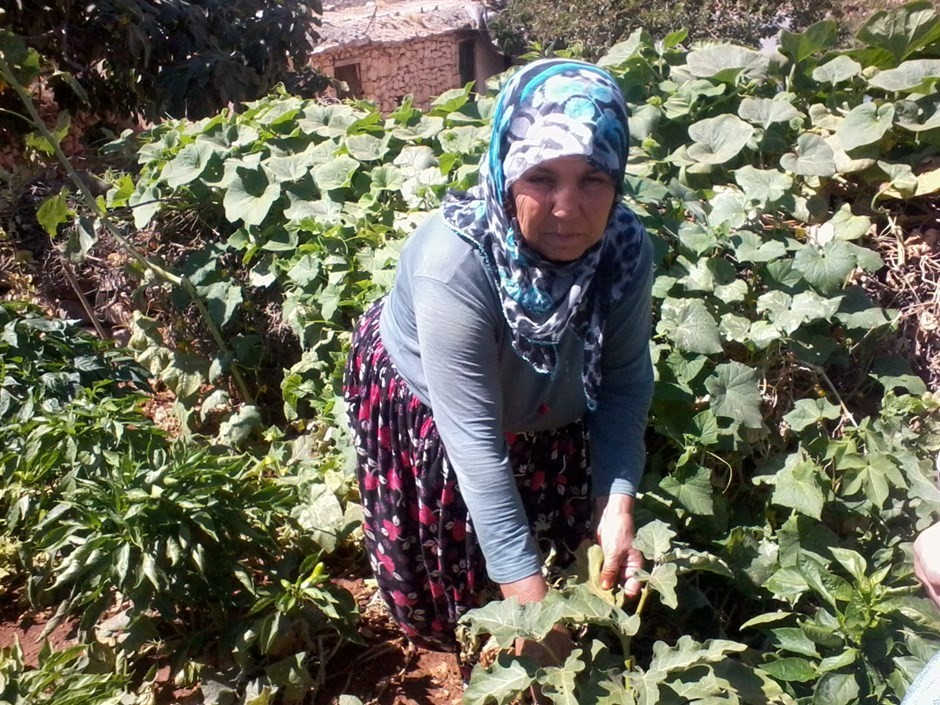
pixel 77 675
pixel 594 26
pixel 185 544
pixel 771 465
pixel 158 58
pixel 314 201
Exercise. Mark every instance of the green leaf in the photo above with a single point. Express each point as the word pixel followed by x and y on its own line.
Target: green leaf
pixel 794 641
pixel 865 124
pixel 799 46
pixel 145 202
pixel 386 178
pixel 295 167
pixel 336 173
pixel 188 164
pixel 664 580
pixel 674 39
pixel 750 247
pixel 725 62
pixel 835 663
pixel 293 674
pixel 558 682
pixel 837 70
pixel 763 186
pixel 326 120
pixel 501 682
pixel 623 51
pixel 894 372
pixel 786 584
pixel 348 700
pixel 824 583
pixel 367 148
pixel 836 689
pixel 250 196
pixel 507 620
pixel 807 412
pixel 729 207
pixel 847 226
pixel 735 394
pixel 688 653
pixel 718 139
pixel 238 428
pixel 41 143
pixel 798 486
pixel 463 139
pixel 688 560
pixel 902 31
pixel 912 117
pixel 766 111
pixel 826 267
pixel 928 183
pixel 789 314
pixel 654 539
pixel 812 157
pixel 53 212
pixel 767 618
pixel 791 670
pixel 691 486
pixel 917 75
pixel 690 325
pixel 852 561
pixel 222 299
pixel 450 101
pixel 873 475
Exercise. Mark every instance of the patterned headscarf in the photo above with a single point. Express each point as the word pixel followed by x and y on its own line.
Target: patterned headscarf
pixel 552 108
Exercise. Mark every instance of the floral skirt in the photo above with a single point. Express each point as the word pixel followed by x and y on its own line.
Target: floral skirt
pixel 419 537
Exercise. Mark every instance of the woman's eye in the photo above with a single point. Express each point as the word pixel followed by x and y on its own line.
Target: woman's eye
pixel 539 179
pixel 597 180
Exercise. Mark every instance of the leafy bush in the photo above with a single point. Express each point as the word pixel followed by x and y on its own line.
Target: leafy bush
pixel 594 26
pixel 158 58
pixel 311 200
pixel 186 544
pixel 77 675
pixel 68 403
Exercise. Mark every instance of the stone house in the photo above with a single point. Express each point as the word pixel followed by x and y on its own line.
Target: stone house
pixel 386 50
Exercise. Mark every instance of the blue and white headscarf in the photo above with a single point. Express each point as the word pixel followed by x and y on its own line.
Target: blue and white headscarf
pixel 552 108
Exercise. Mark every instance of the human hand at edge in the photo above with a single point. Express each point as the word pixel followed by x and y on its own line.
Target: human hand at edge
pixel 614 533
pixel 927 561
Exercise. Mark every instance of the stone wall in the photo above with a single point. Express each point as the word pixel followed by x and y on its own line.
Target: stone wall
pixel 422 68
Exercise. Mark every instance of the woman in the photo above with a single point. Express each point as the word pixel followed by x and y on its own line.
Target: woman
pixel 518 324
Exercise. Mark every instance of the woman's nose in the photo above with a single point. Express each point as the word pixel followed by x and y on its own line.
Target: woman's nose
pixel 566 202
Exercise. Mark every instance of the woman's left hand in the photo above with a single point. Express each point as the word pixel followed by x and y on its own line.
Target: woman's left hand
pixel 614 533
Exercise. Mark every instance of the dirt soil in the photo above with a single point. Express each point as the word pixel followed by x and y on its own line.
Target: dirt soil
pixel 388 670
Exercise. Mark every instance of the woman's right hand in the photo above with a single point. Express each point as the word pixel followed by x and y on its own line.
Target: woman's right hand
pixel 927 561
pixel 554 649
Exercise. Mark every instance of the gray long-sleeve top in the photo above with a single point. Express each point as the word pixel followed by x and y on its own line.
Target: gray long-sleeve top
pixel 444 330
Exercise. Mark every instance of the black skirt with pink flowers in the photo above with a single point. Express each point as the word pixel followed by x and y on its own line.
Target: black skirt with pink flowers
pixel 421 544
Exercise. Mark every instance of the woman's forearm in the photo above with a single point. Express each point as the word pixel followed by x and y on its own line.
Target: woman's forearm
pixel 531 589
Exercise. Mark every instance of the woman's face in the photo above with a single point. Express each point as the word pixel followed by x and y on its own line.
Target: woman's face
pixel 562 206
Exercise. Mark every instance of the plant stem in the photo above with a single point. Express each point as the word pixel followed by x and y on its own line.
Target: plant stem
pixel 180 281
pixel 816 369
pixel 82 299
